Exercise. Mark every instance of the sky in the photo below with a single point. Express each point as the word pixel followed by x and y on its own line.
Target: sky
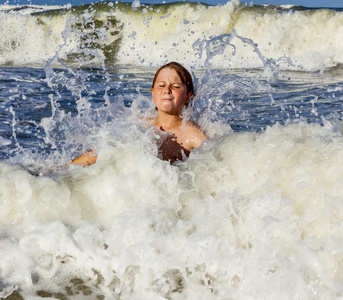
pixel 308 3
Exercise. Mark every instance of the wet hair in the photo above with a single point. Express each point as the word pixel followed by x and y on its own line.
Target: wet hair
pixel 185 76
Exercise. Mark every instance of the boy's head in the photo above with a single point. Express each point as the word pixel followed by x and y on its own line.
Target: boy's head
pixel 185 76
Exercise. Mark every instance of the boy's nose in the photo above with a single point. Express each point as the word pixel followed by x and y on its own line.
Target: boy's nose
pixel 167 89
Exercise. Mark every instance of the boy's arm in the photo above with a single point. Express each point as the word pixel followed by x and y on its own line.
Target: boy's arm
pixel 87 159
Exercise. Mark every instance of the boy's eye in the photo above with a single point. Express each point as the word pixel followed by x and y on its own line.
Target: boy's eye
pixel 173 86
pixel 178 86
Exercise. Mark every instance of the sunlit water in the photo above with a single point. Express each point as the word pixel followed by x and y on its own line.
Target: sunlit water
pixel 256 212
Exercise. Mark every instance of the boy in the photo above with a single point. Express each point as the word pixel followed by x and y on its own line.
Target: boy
pixel 171 89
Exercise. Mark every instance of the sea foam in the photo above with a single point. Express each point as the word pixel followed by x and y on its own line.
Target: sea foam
pixel 300 39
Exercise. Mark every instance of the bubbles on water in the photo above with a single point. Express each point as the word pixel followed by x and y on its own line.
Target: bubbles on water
pixel 253 211
pixel 135 4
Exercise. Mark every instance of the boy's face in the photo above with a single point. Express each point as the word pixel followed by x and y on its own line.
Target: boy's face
pixel 169 93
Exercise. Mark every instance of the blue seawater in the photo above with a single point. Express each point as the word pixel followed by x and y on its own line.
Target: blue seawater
pixel 254 213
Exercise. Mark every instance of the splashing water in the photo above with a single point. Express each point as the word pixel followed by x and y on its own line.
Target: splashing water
pixel 255 212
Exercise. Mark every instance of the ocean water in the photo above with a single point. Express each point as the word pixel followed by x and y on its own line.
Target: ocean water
pixel 255 212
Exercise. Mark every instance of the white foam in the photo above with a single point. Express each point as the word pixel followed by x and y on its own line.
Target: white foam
pixel 188 33
pixel 255 214
pixel 309 39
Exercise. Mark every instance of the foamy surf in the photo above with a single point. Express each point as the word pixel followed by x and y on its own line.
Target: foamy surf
pixel 255 212
pixel 295 38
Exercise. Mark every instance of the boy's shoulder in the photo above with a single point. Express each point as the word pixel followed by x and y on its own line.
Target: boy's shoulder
pixel 194 128
pixel 195 134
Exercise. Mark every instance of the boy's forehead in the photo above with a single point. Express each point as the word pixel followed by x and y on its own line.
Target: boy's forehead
pixel 168 74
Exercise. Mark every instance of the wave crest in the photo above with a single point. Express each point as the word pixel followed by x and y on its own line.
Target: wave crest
pixel 109 32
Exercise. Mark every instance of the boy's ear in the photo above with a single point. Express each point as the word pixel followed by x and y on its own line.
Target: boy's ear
pixel 189 95
pixel 151 89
